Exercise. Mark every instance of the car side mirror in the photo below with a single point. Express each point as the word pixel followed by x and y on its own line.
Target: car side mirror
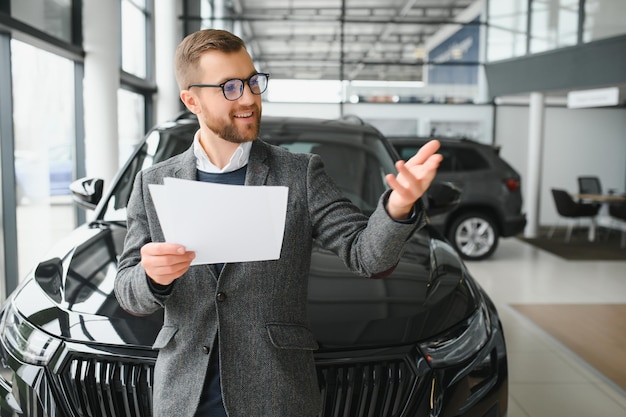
pixel 49 276
pixel 442 197
pixel 87 192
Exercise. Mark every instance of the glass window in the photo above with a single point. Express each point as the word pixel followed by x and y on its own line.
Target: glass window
pixel 554 24
pixel 134 40
pixel 604 19
pixel 504 44
pixel 470 160
pixel 506 34
pixel 159 145
pixel 52 17
pixel 448 162
pixel 131 122
pixel 43 100
pixel 407 151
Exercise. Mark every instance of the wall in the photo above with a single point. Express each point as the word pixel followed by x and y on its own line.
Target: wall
pixel 576 142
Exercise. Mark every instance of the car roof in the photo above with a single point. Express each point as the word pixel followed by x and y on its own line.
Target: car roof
pixel 276 123
pixel 448 141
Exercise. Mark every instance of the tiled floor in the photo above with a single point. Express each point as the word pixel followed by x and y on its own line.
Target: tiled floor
pixel 545 378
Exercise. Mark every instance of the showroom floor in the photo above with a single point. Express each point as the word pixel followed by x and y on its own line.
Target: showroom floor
pixel 545 378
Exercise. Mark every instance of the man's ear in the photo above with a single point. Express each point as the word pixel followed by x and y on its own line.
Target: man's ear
pixel 190 101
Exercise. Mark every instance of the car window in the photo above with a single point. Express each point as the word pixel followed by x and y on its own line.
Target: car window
pixel 467 159
pixel 449 155
pixel 357 162
pixel 448 162
pixel 159 146
pixel 455 159
pixel 460 159
pixel 357 170
pixel 407 151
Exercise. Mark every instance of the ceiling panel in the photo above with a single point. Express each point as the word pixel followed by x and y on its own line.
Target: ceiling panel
pixel 348 40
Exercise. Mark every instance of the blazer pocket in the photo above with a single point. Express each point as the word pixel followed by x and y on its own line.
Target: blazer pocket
pixel 291 336
pixel 166 334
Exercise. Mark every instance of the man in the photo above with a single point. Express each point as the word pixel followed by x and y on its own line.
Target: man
pixel 235 339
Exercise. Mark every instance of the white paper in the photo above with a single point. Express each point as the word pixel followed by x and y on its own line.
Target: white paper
pixel 222 223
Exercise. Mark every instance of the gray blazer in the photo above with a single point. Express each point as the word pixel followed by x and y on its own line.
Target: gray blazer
pixel 258 309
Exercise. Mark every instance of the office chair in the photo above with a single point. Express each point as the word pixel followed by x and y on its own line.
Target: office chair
pixel 590 185
pixel 570 209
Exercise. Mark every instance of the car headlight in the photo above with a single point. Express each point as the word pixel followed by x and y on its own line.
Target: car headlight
pixel 24 341
pixel 459 344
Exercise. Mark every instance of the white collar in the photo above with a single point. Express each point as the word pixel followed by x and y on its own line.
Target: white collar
pixel 238 160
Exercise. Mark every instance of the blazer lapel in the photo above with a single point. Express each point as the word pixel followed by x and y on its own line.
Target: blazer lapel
pixel 187 169
pixel 257 164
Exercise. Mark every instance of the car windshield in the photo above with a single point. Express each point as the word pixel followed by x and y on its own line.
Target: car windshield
pixel 358 161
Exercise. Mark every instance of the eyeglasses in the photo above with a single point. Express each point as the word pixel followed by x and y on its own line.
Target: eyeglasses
pixel 233 88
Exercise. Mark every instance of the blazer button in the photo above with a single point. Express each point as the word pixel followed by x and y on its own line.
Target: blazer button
pixel 205 350
pixel 220 297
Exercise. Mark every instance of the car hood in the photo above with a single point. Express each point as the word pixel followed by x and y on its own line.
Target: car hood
pixel 70 295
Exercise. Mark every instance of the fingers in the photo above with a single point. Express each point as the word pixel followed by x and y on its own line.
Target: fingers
pixel 402 198
pixel 165 262
pixel 424 153
pixel 412 180
pixel 162 248
pixel 406 178
pixel 418 175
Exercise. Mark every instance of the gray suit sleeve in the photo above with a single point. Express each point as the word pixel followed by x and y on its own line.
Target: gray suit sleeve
pixel 132 289
pixel 366 246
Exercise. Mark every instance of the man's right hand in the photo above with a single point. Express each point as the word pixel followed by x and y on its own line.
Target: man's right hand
pixel 165 262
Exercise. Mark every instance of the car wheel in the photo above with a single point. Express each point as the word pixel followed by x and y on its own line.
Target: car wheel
pixel 474 235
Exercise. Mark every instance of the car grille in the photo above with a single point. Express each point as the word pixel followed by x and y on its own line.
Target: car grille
pixel 380 389
pixel 98 388
pixel 101 388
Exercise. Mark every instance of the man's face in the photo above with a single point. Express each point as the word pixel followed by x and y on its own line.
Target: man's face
pixel 235 121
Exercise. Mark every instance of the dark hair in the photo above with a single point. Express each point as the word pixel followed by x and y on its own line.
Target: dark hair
pixel 191 48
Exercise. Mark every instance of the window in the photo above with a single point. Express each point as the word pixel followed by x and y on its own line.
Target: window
pixel 135 95
pixel 52 17
pixel 470 160
pixel 554 24
pixel 134 37
pixel 43 100
pixel 407 151
pixel 460 159
pixel 604 19
pixel 507 30
pixel 159 146
pixel 131 122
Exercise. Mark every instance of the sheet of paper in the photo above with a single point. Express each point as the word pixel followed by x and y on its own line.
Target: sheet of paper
pixel 222 223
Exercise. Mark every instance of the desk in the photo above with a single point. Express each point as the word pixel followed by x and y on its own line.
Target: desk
pixel 604 219
pixel 601 198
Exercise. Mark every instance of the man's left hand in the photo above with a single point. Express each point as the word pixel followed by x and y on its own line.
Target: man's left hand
pixel 413 179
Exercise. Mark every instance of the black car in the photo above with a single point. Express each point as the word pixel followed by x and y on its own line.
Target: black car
pixel 426 341
pixel 491 198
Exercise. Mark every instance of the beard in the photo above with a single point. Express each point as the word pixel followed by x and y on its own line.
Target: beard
pixel 232 132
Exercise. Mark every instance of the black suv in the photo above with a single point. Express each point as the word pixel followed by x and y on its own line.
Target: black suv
pixel 491 199
pixel 425 341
